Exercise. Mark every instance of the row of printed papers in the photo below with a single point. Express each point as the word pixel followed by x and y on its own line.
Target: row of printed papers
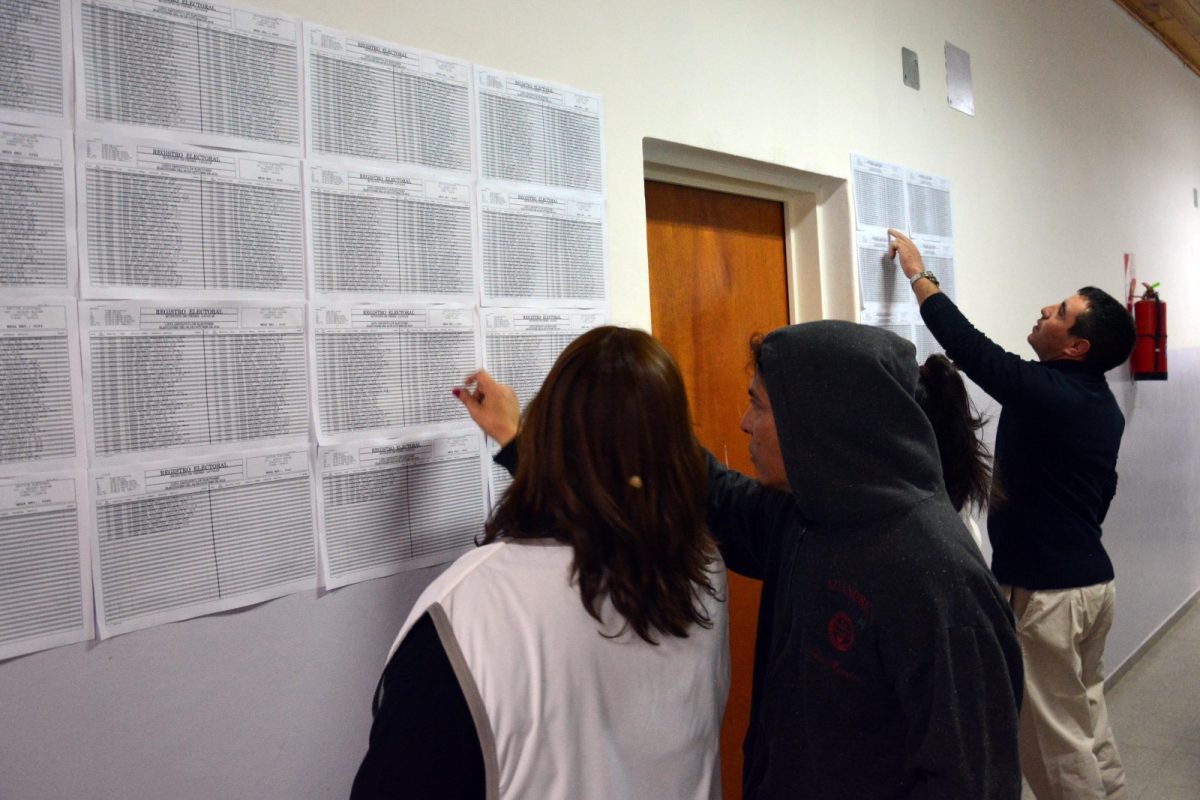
pixel 231 76
pixel 283 236
pixel 181 537
pixel 917 204
pixel 121 380
pixel 156 218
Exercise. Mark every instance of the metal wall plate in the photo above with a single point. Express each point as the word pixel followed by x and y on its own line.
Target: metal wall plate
pixel 912 71
pixel 958 80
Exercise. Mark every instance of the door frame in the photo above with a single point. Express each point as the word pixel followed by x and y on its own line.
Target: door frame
pixel 818 234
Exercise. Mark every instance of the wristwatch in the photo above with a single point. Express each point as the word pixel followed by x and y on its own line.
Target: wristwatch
pixel 924 274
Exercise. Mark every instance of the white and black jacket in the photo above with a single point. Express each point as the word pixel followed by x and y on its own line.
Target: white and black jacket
pixel 501 685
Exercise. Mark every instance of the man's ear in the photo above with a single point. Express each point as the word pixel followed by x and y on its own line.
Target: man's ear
pixel 1077 349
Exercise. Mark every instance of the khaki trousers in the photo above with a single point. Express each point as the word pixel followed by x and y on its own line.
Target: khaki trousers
pixel 1067 747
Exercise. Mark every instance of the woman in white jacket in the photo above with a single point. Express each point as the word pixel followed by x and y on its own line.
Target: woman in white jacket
pixel 581 651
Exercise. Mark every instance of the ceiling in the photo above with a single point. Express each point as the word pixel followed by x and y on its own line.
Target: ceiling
pixel 1175 22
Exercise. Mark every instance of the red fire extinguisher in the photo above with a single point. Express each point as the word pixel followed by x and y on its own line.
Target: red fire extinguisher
pixel 1149 358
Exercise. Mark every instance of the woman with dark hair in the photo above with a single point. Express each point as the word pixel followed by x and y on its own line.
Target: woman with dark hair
pixel 581 651
pixel 966 462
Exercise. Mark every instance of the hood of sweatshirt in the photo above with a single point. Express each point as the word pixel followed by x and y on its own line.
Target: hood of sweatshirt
pixel 855 444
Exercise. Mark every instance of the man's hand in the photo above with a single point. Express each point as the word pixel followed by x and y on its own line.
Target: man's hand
pixel 910 256
pixel 910 264
pixel 493 406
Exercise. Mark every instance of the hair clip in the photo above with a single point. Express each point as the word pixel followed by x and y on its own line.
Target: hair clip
pixel 636 481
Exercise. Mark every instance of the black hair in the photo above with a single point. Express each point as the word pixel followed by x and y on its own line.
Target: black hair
pixel 1108 327
pixel 756 344
pixel 966 462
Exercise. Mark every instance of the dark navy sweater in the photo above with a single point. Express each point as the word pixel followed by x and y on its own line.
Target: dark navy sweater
pixel 1056 456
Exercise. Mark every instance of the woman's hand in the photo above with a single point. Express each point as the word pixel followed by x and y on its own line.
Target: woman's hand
pixel 493 406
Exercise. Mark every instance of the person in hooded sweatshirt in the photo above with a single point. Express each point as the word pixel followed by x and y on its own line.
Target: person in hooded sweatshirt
pixel 886 663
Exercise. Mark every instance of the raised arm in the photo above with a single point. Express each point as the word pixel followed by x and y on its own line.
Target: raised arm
pixel 1003 375
pixel 747 518
pixel 493 406
pixel 912 265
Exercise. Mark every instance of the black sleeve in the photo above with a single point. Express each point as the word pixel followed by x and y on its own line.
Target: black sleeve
pixel 423 741
pixel 507 457
pixel 746 518
pixel 1006 377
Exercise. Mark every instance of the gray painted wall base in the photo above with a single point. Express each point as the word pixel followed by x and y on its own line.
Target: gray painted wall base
pixel 1123 669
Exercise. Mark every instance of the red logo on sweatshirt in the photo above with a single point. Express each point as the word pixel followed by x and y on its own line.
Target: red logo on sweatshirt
pixel 841 632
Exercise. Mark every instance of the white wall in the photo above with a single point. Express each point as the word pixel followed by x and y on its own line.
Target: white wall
pixel 1085 146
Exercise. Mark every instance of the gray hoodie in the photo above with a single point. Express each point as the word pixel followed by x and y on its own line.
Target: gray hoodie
pixel 886 664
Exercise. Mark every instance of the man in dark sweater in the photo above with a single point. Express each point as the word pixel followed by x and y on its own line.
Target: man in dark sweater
pixel 1056 453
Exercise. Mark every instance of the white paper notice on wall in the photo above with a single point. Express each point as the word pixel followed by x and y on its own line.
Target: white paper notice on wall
pixel 542 248
pixel 184 537
pixel 37 228
pixel 213 73
pixel 884 294
pixel 959 90
pixel 35 38
pixel 167 376
pixel 938 255
pixel 163 216
pixel 879 197
pixel 46 594
pixel 520 347
pixel 928 205
pixel 376 100
pixel 378 231
pixel 380 367
pixel 534 132
pixel 388 505
pixel 40 398
pixel 522 344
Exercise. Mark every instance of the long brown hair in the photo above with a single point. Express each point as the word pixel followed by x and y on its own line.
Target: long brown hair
pixel 966 462
pixel 608 463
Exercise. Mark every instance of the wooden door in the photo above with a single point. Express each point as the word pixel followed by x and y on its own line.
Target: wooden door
pixel 717 276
